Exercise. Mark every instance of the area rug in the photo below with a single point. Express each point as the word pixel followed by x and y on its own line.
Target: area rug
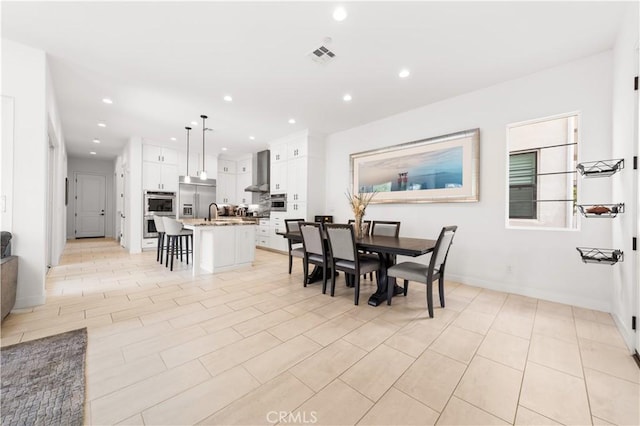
pixel 43 380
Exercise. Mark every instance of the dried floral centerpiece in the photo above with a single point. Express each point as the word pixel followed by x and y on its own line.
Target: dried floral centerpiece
pixel 359 203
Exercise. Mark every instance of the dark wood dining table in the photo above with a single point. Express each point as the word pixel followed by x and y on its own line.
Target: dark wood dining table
pixel 387 249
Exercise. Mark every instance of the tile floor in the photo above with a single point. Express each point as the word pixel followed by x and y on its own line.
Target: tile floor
pixel 243 347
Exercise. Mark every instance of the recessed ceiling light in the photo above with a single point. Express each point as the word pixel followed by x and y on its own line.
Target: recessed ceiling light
pixel 102 125
pixel 107 101
pixel 228 98
pixel 347 98
pixel 292 121
pixel 92 153
pixel 194 123
pixel 339 14
pixel 173 139
pixel 404 73
pixel 253 138
pixel 224 149
pixel 96 140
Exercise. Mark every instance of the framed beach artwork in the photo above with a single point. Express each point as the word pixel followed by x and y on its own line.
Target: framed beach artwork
pixel 434 170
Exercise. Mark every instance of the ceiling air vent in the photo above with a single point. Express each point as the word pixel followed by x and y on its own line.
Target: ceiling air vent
pixel 322 55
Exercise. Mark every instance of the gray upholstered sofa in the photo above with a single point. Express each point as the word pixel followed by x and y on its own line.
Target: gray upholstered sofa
pixel 9 273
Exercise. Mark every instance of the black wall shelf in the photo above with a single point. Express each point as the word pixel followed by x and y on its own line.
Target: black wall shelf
pixel 602 168
pixel 601 256
pixel 601 210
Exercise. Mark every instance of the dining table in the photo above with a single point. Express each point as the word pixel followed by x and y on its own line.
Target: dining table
pixel 387 249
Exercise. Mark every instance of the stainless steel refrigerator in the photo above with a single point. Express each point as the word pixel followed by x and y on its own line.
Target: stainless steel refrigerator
pixel 195 196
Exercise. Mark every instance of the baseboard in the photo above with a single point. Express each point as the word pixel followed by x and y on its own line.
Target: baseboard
pixel 597 305
pixel 636 358
pixel 625 331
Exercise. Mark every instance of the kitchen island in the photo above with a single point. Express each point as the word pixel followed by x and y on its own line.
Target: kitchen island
pixel 221 245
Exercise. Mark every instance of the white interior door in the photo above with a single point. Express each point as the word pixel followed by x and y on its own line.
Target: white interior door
pixel 90 205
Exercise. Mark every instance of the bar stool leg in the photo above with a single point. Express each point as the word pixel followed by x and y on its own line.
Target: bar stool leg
pixel 186 241
pixel 173 249
pixel 166 265
pixel 181 248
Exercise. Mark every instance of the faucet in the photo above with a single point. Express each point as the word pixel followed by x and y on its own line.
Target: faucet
pixel 216 215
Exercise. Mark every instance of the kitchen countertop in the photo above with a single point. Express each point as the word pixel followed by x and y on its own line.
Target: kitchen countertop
pixel 218 222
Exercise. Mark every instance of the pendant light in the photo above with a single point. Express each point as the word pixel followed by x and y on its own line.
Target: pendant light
pixel 187 178
pixel 203 174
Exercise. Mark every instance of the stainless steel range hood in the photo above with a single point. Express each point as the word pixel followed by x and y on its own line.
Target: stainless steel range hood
pixel 261 175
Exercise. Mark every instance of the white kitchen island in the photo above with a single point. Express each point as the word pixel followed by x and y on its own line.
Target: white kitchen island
pixel 221 245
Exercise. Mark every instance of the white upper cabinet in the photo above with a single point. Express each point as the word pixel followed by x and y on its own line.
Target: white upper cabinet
pixel 297 149
pixel 226 166
pixel 159 168
pixel 159 154
pixel 244 166
pixel 278 153
pixel 297 180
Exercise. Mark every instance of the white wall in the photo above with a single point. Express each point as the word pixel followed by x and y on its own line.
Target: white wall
pixel 538 263
pixel 132 159
pixel 24 80
pixel 104 168
pixel 57 232
pixel 624 187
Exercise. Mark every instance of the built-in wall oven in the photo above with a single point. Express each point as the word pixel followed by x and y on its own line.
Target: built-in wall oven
pixel 156 203
pixel 278 202
pixel 159 202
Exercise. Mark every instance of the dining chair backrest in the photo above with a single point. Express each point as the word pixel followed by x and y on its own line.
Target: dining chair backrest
pixel 157 220
pixel 342 243
pixel 312 237
pixel 171 226
pixel 385 228
pixel 293 225
pixel 441 250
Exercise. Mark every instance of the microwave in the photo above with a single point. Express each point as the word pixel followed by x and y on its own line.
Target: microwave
pixel 278 202
pixel 159 202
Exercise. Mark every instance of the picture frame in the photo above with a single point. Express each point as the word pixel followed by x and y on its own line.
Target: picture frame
pixel 440 169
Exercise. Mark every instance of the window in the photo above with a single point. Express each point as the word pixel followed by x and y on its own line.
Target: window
pixel 541 177
pixel 523 191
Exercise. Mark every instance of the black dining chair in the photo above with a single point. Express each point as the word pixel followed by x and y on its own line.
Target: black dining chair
pixel 385 228
pixel 314 250
pixel 425 274
pixel 344 256
pixel 295 249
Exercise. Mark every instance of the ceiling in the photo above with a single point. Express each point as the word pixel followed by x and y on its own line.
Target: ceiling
pixel 165 63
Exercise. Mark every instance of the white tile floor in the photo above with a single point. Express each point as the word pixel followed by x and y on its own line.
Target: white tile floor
pixel 242 347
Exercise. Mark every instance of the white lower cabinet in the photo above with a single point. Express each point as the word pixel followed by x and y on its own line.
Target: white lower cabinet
pixel 262 236
pixel 148 243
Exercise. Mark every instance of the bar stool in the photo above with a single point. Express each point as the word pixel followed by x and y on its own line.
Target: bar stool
pixel 159 223
pixel 175 234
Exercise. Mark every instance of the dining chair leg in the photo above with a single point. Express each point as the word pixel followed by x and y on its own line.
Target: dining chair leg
pixel 305 272
pixel 430 297
pixel 290 263
pixel 390 285
pixel 333 279
pixel 441 289
pixel 356 297
pixel 324 278
pixel 406 287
